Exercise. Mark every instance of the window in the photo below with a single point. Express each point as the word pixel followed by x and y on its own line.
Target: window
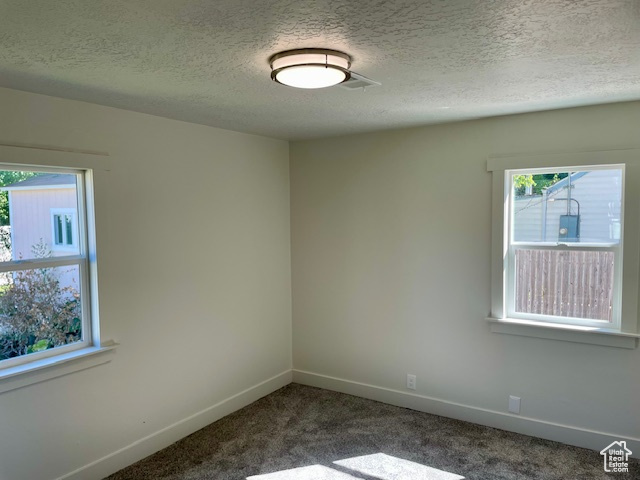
pixel 564 246
pixel 64 227
pixel 45 297
pixel 559 226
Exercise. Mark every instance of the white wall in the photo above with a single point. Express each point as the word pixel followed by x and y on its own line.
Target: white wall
pixel 391 273
pixel 194 274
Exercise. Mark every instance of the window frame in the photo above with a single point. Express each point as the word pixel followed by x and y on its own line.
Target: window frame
pixel 626 335
pixel 84 260
pixel 510 262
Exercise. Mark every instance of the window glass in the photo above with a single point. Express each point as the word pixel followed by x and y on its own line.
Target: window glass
pixel 68 221
pixel 560 283
pixel 567 206
pixel 57 220
pixel 42 305
pixel 565 245
pixel 38 213
pixel 40 309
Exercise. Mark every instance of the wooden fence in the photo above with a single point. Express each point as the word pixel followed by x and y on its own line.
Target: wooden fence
pixel 565 283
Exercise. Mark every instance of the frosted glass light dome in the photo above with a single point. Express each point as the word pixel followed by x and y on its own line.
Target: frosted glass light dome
pixel 310 67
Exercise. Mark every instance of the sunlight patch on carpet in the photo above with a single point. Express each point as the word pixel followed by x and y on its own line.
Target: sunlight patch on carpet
pixel 313 472
pixel 387 467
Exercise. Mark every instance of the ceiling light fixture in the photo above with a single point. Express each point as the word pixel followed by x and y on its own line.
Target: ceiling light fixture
pixel 310 67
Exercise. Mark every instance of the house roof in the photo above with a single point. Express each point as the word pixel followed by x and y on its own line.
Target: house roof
pixel 45 180
pixel 565 181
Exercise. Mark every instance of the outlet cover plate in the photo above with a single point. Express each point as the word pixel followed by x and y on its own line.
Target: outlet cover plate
pixel 514 404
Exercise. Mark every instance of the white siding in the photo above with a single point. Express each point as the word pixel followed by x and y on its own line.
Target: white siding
pixel 31 218
pixel 528 212
pixel 31 224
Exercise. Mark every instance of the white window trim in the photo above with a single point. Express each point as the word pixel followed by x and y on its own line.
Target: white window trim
pixel 74 229
pixel 52 363
pixel 54 366
pixel 628 327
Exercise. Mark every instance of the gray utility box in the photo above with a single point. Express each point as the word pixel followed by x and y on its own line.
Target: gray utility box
pixel 569 228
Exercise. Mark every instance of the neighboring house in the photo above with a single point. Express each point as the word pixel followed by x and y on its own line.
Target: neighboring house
pixel 593 213
pixel 43 215
pixel 43 209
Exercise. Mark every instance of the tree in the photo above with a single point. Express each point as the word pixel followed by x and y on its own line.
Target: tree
pixel 521 182
pixel 36 312
pixel 7 177
pixel 539 182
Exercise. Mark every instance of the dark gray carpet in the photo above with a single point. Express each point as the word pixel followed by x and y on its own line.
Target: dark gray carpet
pixel 299 426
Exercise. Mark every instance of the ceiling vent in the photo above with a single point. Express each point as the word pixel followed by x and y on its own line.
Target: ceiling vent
pixel 359 81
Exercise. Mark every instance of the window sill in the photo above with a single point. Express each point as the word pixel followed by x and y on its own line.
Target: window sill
pixel 566 333
pixel 52 367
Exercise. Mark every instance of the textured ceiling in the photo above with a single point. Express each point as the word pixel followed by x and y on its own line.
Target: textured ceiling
pixel 205 61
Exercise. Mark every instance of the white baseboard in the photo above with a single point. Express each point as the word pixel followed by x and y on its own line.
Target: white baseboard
pixel 570 435
pixel 144 447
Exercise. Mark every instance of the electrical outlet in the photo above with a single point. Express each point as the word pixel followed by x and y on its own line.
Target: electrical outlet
pixel 514 404
pixel 411 381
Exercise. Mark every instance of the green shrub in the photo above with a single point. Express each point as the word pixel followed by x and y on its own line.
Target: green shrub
pixel 37 313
